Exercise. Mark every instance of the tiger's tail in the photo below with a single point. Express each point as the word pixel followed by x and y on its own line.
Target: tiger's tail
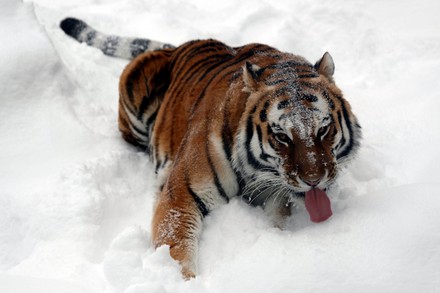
pixel 111 45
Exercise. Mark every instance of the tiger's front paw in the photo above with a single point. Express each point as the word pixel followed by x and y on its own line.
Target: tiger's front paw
pixel 187 274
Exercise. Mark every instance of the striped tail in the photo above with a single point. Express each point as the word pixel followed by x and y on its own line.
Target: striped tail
pixel 115 46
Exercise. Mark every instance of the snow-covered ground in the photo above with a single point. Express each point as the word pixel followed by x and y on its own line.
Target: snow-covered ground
pixel 76 200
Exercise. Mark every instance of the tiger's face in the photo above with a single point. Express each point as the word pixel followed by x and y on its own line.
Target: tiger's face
pixel 299 129
pixel 302 136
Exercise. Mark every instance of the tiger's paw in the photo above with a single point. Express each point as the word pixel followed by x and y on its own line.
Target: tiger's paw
pixel 188 274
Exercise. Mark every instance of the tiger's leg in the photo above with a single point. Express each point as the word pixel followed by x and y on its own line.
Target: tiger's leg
pixel 278 210
pixel 142 87
pixel 177 222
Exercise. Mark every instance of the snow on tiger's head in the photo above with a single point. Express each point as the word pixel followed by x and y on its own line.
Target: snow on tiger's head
pixel 299 126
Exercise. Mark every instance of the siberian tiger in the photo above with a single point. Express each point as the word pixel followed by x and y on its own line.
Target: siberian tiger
pixel 220 122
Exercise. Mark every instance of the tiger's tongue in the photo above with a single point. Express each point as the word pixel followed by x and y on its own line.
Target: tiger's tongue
pixel 318 205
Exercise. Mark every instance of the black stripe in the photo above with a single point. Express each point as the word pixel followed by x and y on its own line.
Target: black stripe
pixel 264 156
pixel 241 183
pixel 249 133
pixel 284 104
pixel 145 103
pixel 263 112
pixel 160 164
pixel 200 204
pixel 164 162
pixel 217 183
pixel 90 37
pixel 156 169
pixel 126 108
pixel 309 98
pixel 132 77
pixel 349 147
pixel 110 45
pixel 310 85
pixel 334 132
pixel 275 126
pixel 250 156
pixel 342 141
pixel 138 130
pixel 139 46
pixel 260 140
pixel 227 139
pixel 129 89
pixel 152 117
pixel 329 100
pixel 310 75
pixel 315 109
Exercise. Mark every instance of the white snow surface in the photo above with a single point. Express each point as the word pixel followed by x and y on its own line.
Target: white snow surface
pixel 76 200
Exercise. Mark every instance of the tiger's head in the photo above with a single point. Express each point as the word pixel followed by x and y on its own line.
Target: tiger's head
pixel 298 128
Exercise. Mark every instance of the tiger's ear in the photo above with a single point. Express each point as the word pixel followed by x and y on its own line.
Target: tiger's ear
pixel 252 76
pixel 325 66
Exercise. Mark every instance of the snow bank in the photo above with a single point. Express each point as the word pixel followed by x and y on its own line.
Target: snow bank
pixel 76 201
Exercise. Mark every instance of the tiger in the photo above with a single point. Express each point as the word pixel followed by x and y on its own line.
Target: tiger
pixel 220 122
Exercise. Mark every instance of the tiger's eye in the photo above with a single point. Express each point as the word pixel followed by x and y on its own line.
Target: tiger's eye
pixel 282 137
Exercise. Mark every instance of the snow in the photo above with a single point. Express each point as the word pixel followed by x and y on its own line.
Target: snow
pixel 76 200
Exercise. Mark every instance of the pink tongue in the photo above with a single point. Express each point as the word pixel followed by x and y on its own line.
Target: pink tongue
pixel 318 205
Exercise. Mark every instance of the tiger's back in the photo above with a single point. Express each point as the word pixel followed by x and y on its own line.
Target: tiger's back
pixel 195 101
